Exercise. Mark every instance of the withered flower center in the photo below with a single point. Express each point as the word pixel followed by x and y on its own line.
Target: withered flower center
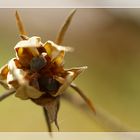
pixel 37 72
pixel 48 84
pixel 41 80
pixel 37 63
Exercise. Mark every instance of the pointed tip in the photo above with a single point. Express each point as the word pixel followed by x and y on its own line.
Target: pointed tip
pixel 56 124
pixel 81 69
pixel 92 108
pixel 16 13
pixel 47 121
pixel 19 23
pixel 84 68
pixel 73 12
pixel 64 28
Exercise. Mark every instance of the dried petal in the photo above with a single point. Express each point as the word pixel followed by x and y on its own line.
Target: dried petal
pixel 61 80
pixel 48 48
pixel 53 49
pixel 77 70
pixel 25 92
pixel 59 58
pixel 24 55
pixel 71 75
pixel 59 47
pixel 12 81
pixel 26 49
pixel 67 81
pixel 33 42
pixel 15 74
pixel 3 72
pixel 17 63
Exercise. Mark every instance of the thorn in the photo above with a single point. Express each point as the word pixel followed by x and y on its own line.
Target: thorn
pixel 63 29
pixel 20 24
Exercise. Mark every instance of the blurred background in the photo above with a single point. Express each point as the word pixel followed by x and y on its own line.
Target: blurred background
pixel 107 41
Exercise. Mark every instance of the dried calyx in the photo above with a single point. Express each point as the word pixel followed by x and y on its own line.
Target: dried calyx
pixel 37 72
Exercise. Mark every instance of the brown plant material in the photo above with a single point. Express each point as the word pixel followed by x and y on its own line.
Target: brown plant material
pixel 37 72
pixel 63 29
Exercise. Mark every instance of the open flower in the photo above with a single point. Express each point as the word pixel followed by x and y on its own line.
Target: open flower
pixel 37 72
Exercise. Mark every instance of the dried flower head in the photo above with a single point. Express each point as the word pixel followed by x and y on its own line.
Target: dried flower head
pixel 37 72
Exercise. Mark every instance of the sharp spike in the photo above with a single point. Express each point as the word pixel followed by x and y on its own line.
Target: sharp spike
pixel 20 24
pixel 63 29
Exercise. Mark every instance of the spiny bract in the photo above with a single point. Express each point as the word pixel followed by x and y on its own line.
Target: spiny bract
pixel 37 72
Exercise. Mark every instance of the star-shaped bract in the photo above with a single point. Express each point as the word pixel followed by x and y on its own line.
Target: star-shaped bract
pixel 37 72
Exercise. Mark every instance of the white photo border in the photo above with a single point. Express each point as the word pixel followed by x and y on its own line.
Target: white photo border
pixel 69 3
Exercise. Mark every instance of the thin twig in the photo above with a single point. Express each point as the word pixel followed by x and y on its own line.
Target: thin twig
pixel 7 94
pixel 79 91
pixel 4 84
pixel 104 118
pixel 63 29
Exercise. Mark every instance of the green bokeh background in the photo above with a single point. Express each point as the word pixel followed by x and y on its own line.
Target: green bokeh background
pixel 108 43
